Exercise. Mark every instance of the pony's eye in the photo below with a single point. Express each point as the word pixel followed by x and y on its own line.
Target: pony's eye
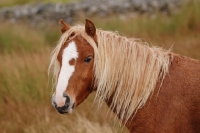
pixel 88 59
pixel 72 34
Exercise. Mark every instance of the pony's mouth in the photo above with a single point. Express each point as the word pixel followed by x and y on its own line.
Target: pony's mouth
pixel 67 108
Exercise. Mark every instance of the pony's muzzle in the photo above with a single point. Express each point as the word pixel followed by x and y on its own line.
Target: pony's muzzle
pixel 65 108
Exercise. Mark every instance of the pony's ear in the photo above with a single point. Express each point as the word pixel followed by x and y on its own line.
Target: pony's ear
pixel 90 28
pixel 64 26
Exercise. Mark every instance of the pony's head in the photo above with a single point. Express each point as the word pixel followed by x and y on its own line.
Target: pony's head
pixel 123 71
pixel 73 61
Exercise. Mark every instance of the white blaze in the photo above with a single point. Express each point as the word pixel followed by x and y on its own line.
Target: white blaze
pixel 66 71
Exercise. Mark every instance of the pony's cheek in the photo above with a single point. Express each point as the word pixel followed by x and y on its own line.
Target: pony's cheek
pixel 79 100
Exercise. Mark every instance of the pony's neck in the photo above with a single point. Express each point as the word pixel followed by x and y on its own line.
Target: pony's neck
pixel 126 72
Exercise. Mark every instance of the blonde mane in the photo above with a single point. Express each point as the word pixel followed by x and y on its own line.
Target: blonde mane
pixel 126 70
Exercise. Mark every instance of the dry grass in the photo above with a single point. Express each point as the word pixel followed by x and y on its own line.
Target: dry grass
pixel 25 96
pixel 26 100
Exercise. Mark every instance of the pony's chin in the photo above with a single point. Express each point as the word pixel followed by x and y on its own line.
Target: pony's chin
pixel 70 111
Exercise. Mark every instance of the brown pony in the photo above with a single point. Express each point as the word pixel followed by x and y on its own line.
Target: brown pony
pixel 151 90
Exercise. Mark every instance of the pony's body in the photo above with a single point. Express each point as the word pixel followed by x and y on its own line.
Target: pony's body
pixel 148 88
pixel 175 107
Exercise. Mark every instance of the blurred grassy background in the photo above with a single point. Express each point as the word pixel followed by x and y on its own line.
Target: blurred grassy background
pixel 25 94
pixel 20 2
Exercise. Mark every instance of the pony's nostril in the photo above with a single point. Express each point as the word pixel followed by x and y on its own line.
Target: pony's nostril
pixel 67 101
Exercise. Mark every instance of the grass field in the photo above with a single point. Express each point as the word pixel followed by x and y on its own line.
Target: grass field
pixel 25 90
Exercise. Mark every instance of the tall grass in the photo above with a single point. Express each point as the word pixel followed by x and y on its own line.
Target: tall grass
pixel 18 37
pixel 25 95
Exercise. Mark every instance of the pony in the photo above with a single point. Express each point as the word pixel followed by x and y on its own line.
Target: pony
pixel 150 89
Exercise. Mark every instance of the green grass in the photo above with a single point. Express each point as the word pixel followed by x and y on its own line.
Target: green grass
pixel 18 37
pixel 25 96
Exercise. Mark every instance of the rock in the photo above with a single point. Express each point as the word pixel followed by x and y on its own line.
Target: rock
pixel 40 12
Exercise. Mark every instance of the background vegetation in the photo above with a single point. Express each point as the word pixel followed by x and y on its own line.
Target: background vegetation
pixel 25 90
pixel 19 2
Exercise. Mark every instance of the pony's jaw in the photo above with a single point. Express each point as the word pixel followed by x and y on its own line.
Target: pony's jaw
pixel 59 100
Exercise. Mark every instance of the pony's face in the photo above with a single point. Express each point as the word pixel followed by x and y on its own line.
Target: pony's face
pixel 75 78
